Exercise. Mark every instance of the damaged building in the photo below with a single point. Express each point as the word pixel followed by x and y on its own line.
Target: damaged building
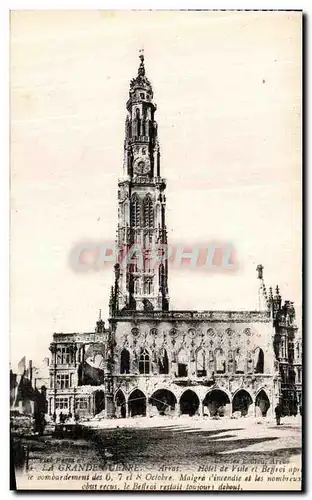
pixel 152 360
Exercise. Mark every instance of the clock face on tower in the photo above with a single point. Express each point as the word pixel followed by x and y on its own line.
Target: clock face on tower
pixel 141 166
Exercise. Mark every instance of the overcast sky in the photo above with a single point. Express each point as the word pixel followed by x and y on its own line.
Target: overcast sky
pixel 227 86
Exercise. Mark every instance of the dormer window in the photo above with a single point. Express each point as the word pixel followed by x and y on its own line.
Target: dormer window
pixel 142 96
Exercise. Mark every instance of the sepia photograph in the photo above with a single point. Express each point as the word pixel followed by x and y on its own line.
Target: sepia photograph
pixel 156 250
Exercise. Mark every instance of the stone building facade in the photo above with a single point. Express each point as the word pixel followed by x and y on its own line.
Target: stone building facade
pixel 152 360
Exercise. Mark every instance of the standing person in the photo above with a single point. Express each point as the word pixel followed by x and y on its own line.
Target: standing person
pixel 278 414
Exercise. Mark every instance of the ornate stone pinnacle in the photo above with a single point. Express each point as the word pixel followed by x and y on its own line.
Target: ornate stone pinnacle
pixel 141 71
pixel 260 271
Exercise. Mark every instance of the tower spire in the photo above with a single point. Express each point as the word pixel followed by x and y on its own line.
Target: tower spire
pixel 141 70
pixel 139 283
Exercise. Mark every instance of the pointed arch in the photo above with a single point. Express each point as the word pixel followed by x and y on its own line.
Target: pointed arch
pixel 124 361
pixel 120 401
pixel 164 400
pixel 189 403
pixel 262 402
pixel 135 217
pixel 217 402
pixel 137 403
pixel 241 402
pixel 148 210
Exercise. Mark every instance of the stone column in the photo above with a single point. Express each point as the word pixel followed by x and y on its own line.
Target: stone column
pixel 127 409
pixel 201 409
pixel 228 410
pixel 148 407
pixel 252 410
pixel 110 406
pixel 177 412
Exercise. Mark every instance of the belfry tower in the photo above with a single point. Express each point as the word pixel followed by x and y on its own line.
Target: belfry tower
pixel 140 272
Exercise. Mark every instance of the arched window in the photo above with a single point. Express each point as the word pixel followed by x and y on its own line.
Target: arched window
pixel 147 263
pixel 135 210
pixel 183 360
pixel 136 286
pixel 148 286
pixel 211 362
pixel 125 361
pixel 230 361
pixel 148 238
pixel 144 363
pixel 128 127
pixel 137 121
pixel 163 363
pixel 144 129
pixel 220 361
pixel 239 361
pixel 201 363
pixel 148 211
pixel 258 360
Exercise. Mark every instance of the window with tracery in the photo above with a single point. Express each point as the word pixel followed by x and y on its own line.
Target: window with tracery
pixel 135 210
pixel 148 211
pixel 211 362
pixel 136 286
pixel 148 286
pixel 147 263
pixel 144 363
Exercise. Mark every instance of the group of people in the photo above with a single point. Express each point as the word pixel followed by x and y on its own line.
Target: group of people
pixel 63 418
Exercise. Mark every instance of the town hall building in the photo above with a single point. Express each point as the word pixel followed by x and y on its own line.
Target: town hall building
pixel 149 359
